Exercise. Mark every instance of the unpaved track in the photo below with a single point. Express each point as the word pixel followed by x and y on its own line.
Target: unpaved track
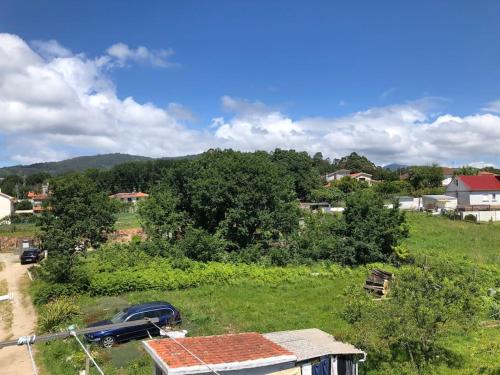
pixel 15 359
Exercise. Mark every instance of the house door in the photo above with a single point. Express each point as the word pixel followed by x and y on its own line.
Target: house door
pixel 346 365
pixel 322 368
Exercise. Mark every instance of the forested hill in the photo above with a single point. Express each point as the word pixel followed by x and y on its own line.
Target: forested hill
pixel 80 163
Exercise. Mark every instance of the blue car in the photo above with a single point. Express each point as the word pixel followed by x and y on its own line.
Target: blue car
pixel 167 314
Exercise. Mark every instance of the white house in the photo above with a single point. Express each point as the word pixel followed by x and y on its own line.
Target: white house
pixel 470 191
pixel 300 352
pixel 130 198
pixel 6 206
pixel 341 173
pixel 337 175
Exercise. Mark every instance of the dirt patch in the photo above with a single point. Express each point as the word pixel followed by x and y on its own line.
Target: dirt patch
pixel 126 235
pixel 14 359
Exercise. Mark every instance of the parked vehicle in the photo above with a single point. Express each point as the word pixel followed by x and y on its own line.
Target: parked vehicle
pixel 31 255
pixel 167 314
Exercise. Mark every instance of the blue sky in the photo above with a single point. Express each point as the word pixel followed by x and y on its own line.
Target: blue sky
pixel 312 77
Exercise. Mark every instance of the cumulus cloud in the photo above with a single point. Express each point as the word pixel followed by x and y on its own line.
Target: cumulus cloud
pixel 409 133
pixel 122 53
pixel 58 103
pixel 55 104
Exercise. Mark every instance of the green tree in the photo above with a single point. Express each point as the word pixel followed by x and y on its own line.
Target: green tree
pixel 24 205
pixel 390 188
pixel 161 215
pixel 348 185
pixel 425 177
pixel 243 197
pixel 320 237
pixel 300 167
pixel 330 194
pixel 356 163
pixel 371 230
pixel 77 216
pixel 427 303
pixel 465 170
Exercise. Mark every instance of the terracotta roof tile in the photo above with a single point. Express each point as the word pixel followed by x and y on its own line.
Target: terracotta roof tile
pixel 215 350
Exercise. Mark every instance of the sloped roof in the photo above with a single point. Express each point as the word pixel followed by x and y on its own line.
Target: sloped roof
pixel 481 183
pixel 223 353
pixel 311 343
pixel 130 195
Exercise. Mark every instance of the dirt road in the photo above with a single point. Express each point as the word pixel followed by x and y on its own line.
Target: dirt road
pixel 15 360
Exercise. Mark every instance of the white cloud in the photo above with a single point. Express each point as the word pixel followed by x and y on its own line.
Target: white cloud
pixel 55 104
pixel 493 106
pixel 123 53
pixel 409 133
pixel 50 48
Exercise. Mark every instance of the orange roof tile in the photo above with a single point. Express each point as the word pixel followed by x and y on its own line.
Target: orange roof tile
pixel 215 350
pixel 129 195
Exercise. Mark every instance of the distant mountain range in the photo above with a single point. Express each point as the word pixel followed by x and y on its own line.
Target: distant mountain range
pixel 80 163
pixel 395 166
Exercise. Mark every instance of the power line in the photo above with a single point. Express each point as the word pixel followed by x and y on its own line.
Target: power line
pixel 73 333
pixel 28 340
pixel 65 334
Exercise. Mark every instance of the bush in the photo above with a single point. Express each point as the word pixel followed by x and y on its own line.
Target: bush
pixel 470 218
pixel 56 313
pixel 117 269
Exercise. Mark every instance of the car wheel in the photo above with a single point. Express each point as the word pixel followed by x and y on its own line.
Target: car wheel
pixel 108 341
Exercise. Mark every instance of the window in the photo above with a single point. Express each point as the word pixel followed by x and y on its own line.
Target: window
pixel 494 197
pixel 137 316
pixel 165 312
pixel 151 314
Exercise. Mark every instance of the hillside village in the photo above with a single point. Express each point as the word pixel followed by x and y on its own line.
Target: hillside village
pixel 331 214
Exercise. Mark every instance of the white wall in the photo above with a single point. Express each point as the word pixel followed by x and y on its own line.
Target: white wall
pixel 6 206
pixel 482 215
pixel 485 197
pixel 248 371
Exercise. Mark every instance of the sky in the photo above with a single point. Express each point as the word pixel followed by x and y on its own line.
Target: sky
pixel 399 82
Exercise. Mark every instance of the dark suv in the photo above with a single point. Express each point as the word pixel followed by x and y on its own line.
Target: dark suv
pixel 31 255
pixel 167 314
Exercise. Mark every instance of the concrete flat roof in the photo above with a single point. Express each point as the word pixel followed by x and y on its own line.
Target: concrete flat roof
pixel 311 343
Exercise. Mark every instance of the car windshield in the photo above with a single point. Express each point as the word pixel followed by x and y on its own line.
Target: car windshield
pixel 119 318
pixel 29 252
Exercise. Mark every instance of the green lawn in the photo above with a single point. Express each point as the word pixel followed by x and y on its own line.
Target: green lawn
pixel 127 220
pixel 314 303
pixel 216 310
pixel 18 230
pixel 433 235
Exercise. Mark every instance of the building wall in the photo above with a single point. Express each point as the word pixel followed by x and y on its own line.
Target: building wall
pixel 482 215
pixel 6 207
pixel 248 371
pixel 485 197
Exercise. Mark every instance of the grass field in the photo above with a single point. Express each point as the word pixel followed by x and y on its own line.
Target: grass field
pixel 18 230
pixel 433 235
pixel 127 220
pixel 314 303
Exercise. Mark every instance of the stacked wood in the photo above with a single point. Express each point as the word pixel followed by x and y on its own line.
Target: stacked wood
pixel 378 282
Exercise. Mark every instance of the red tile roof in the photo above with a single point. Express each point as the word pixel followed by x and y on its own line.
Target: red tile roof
pixel 215 350
pixel 481 183
pixel 129 195
pixel 37 196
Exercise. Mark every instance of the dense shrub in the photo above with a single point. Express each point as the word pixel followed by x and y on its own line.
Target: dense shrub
pixel 118 269
pixel 56 313
pixel 427 303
